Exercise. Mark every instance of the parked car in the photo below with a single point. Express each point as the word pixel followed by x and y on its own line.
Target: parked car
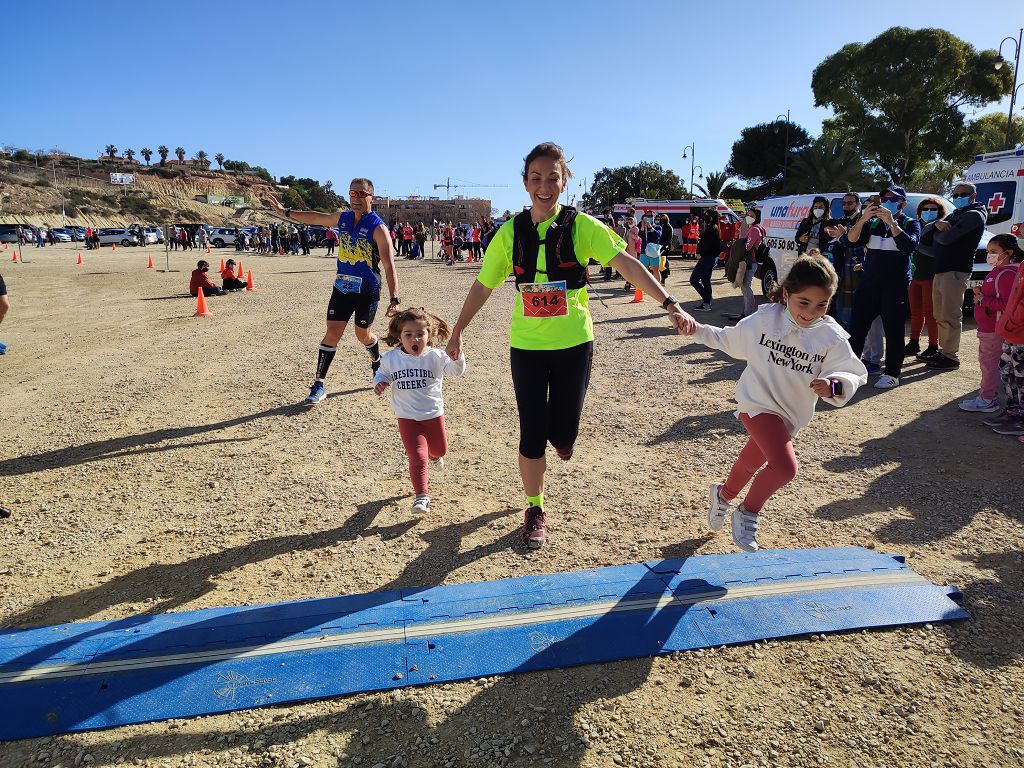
pixel 221 236
pixel 8 233
pixel 118 236
pixel 77 234
pixel 156 232
pixel 61 235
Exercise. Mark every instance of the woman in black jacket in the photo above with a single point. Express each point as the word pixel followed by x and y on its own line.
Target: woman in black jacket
pixel 810 233
pixel 709 248
pixel 666 245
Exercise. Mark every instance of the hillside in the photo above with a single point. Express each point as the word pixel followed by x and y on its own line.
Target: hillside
pixel 160 195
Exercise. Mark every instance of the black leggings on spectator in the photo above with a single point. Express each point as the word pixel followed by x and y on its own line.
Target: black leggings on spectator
pixel 550 386
pixel 700 278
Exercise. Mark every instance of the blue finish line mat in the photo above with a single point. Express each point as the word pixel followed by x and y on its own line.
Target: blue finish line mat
pixel 87 675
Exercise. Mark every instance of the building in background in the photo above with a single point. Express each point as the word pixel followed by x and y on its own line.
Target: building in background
pixel 416 209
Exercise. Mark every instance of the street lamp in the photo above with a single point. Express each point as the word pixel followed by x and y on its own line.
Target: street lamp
pixel 785 149
pixel 693 158
pixel 700 175
pixel 1013 92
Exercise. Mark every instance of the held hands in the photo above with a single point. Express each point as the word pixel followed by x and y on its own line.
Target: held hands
pixel 454 348
pixel 822 387
pixel 392 310
pixel 684 324
pixel 379 389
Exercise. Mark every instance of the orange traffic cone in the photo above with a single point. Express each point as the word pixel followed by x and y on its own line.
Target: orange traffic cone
pixel 201 309
pixel 638 297
pixel 150 264
pixel 221 263
pixel 241 272
pixel 207 249
pixel 250 284
pixel 15 258
pixel 80 257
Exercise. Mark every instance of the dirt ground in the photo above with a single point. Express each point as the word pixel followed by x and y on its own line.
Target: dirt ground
pixel 158 462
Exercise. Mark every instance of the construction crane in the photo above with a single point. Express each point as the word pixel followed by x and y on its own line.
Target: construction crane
pixel 447 186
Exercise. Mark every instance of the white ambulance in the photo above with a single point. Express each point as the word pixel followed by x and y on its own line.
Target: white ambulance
pixel 999 177
pixel 678 212
pixel 780 217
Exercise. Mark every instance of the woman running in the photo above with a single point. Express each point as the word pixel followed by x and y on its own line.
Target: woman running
pixel 548 249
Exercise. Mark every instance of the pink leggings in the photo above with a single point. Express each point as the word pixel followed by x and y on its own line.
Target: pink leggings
pixel 770 444
pixel 422 440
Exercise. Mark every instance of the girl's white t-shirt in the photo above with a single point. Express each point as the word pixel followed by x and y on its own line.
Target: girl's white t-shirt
pixel 416 381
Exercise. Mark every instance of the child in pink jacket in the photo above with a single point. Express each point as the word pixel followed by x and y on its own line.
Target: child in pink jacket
pixel 989 301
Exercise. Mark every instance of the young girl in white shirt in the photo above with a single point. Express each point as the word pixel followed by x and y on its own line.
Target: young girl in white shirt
pixel 414 370
pixel 795 354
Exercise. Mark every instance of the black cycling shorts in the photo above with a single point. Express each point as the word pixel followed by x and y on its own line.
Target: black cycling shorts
pixel 343 305
pixel 550 386
pixel 3 286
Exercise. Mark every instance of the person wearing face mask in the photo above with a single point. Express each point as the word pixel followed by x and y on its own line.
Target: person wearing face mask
pixel 952 242
pixel 200 280
pixel 888 237
pixel 989 302
pixel 844 259
pixel 810 232
pixel 922 270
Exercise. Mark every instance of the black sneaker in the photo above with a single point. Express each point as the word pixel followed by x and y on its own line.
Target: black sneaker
pixel 4 512
pixel 942 363
pixel 930 352
pixel 913 347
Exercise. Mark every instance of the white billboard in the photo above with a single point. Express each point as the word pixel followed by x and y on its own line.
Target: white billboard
pixel 122 178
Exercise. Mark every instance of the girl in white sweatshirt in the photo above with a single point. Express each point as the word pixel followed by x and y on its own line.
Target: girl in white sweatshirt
pixel 795 354
pixel 415 370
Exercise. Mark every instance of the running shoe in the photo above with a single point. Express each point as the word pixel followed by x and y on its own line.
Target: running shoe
pixel 1015 427
pixel 979 405
pixel 4 512
pixel 316 393
pixel 1000 418
pixel 719 509
pixel 3 349
pixel 913 347
pixel 437 464
pixel 886 382
pixel 534 529
pixel 422 504
pixel 702 307
pixel 942 363
pixel 744 529
pixel 930 351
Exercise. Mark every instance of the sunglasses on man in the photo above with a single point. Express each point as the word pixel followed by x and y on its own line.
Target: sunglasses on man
pixel 360 193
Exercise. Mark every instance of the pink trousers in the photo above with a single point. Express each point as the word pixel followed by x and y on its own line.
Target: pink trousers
pixel 770 450
pixel 422 440
pixel 990 349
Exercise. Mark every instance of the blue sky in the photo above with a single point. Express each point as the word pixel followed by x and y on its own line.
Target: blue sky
pixel 410 93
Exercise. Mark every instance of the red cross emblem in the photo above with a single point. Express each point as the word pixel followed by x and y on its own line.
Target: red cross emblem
pixel 996 202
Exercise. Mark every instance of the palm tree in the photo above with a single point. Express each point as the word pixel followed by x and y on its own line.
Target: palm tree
pixel 180 152
pixel 147 153
pixel 716 184
pixel 111 150
pixel 130 154
pixel 203 158
pixel 219 157
pixel 827 165
pixel 164 151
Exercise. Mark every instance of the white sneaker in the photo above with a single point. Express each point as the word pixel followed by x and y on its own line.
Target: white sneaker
pixel 719 508
pixel 979 405
pixel 422 504
pixel 885 381
pixel 437 464
pixel 744 529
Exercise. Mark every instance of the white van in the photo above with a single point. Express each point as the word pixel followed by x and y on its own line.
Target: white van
pixel 780 217
pixel 999 177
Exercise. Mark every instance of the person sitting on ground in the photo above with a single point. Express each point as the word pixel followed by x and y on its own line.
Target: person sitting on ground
pixel 231 283
pixel 200 280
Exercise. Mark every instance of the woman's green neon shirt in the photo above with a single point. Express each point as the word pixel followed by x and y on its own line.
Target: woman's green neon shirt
pixel 591 240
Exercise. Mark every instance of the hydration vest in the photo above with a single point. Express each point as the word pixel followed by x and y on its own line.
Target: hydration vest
pixel 560 254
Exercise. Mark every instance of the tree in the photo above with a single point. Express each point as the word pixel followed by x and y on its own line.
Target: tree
pixel 988 134
pixel 146 153
pixel 111 150
pixel 163 151
pixel 130 154
pixel 716 184
pixel 760 154
pixel 898 98
pixel 180 153
pixel 828 166
pixel 936 177
pixel 614 185
pixel 202 158
pixel 219 157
